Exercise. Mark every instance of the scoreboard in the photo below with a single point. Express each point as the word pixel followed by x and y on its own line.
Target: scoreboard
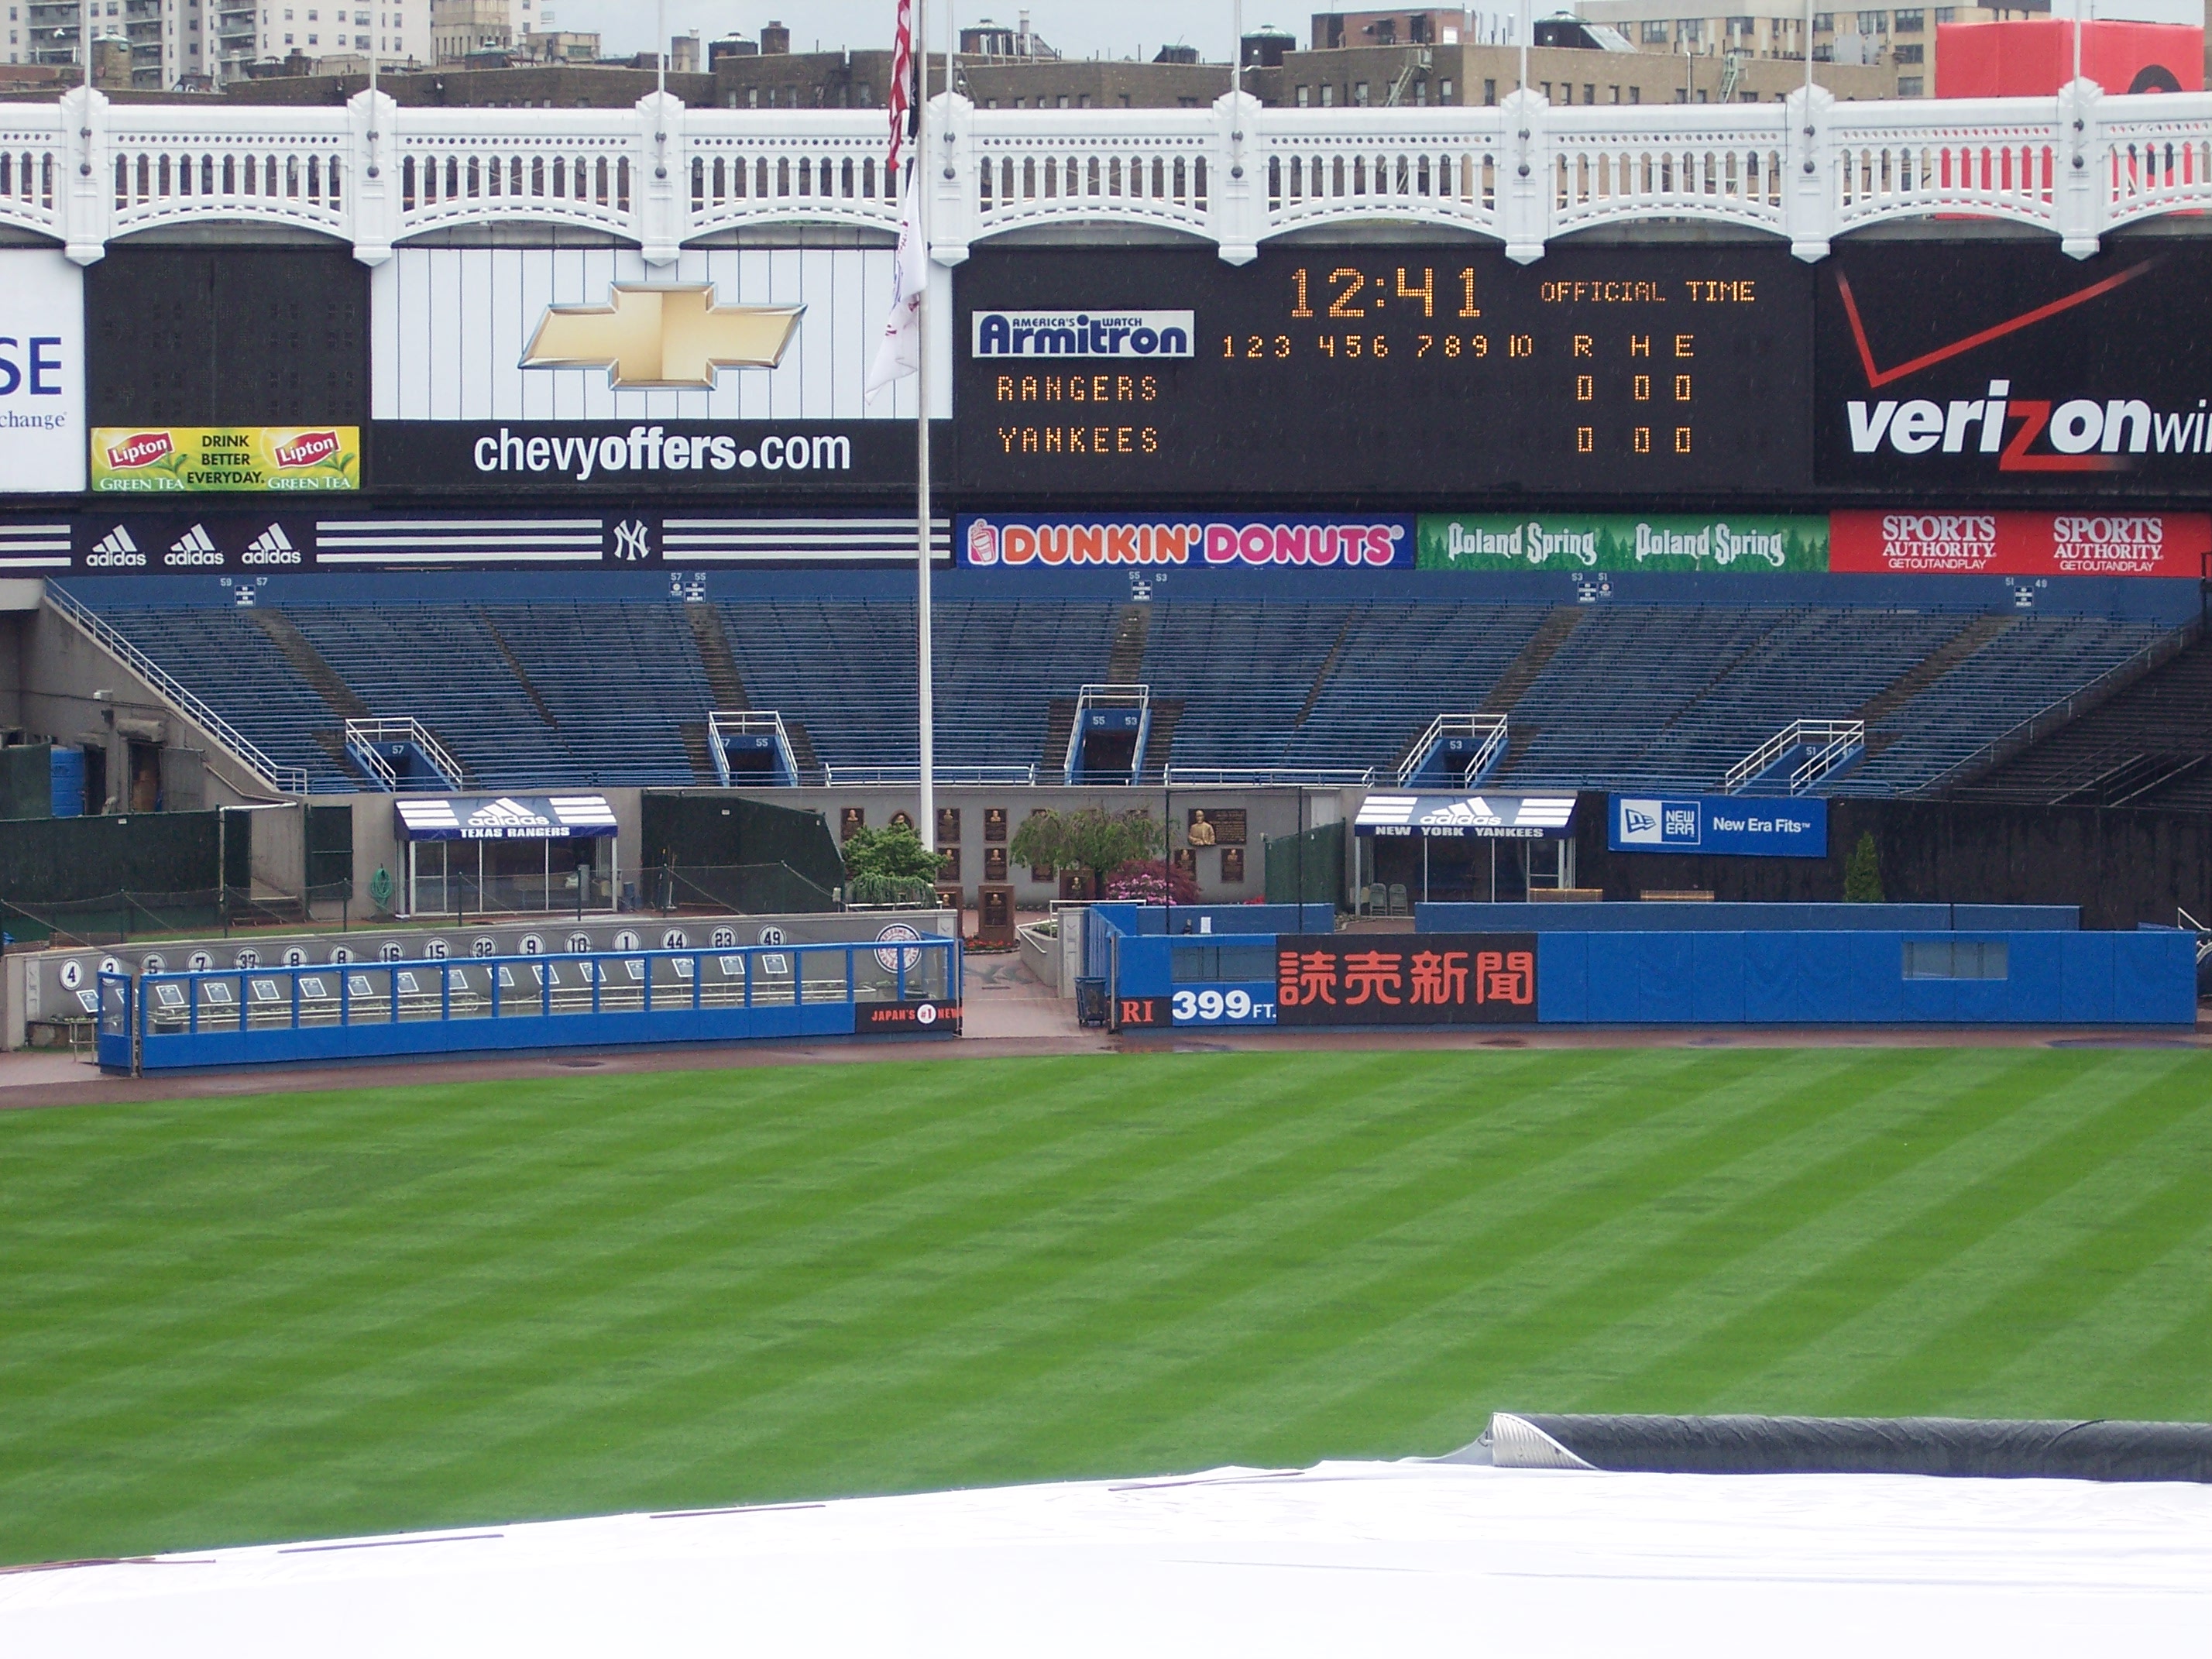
pixel 1405 370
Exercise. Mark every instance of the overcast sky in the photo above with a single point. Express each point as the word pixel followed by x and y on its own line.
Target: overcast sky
pixel 1076 28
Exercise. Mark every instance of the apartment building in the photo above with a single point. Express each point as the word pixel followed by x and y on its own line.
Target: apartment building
pixel 188 44
pixel 460 29
pixel 1415 75
pixel 395 31
pixel 1898 41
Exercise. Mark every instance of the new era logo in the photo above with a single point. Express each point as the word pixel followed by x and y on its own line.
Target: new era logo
pixel 1647 823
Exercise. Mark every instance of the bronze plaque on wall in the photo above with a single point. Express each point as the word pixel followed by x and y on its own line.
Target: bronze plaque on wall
pixel 1215 826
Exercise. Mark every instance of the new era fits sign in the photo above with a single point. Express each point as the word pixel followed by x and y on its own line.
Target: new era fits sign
pixel 1741 826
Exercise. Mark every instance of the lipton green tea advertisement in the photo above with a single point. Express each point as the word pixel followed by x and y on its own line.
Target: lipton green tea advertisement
pixel 1736 542
pixel 225 460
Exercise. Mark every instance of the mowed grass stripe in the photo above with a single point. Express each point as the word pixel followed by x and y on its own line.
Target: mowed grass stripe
pixel 414 1371
pixel 1532 1273
pixel 555 1192
pixel 1851 1313
pixel 435 1347
pixel 2051 1266
pixel 870 1305
pixel 467 1391
pixel 259 1318
pixel 1057 1319
pixel 1308 1264
pixel 1698 1308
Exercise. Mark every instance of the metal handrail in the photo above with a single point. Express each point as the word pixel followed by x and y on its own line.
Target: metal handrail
pixel 284 780
pixel 1101 695
pixel 854 777
pixel 747 722
pixel 1261 777
pixel 1833 741
pixel 2113 680
pixel 1491 727
pixel 362 735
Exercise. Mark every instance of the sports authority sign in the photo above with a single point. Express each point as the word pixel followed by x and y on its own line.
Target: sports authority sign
pixel 2013 369
pixel 42 438
pixel 1410 979
pixel 1907 542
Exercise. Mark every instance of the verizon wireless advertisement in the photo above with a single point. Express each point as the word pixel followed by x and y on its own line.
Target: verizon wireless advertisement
pixel 1909 542
pixel 1976 368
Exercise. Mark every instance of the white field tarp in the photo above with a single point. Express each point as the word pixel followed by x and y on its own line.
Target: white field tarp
pixel 1341 1558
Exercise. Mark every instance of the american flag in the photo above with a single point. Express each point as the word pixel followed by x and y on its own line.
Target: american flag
pixel 901 88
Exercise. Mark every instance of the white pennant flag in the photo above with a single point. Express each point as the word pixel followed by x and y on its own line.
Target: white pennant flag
pixel 899 354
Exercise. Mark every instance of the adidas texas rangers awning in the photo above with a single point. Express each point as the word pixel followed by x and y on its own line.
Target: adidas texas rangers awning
pixel 505 817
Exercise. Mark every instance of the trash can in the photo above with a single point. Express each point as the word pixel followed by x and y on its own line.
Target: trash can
pixel 1089 1002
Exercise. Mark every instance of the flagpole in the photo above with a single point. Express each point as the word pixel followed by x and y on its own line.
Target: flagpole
pixel 926 826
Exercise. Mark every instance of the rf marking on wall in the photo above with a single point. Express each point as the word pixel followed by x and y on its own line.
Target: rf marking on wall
pixel 662 337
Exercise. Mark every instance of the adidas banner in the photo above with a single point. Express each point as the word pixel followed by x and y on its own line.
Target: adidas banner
pixel 232 460
pixel 233 543
pixel 505 817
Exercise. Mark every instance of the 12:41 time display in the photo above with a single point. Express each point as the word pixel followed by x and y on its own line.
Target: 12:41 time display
pixel 1347 293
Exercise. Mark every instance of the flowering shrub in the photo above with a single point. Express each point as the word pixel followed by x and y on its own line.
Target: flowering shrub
pixel 1151 881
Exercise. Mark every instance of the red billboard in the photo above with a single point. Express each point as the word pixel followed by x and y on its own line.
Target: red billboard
pixel 1911 542
pixel 2033 57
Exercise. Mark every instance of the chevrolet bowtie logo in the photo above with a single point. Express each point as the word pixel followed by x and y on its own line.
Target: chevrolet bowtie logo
pixel 662 336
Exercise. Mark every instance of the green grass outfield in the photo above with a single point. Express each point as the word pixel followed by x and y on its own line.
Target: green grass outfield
pixel 280 1317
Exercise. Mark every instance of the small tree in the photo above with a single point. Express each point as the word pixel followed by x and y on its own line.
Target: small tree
pixel 1862 872
pixel 1094 842
pixel 889 866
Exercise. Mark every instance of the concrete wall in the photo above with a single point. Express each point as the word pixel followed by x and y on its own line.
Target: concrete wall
pixel 1268 812
pixel 60 673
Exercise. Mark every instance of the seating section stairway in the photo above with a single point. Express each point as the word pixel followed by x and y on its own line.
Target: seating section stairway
pixel 2149 745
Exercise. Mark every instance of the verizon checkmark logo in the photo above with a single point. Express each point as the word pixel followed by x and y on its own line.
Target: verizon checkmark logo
pixel 2084 435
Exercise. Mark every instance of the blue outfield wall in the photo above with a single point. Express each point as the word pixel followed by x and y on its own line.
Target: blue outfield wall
pixel 1828 978
pixel 1132 922
pixel 1824 974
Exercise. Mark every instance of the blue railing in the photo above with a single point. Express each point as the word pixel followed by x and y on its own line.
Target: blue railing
pixel 361 1009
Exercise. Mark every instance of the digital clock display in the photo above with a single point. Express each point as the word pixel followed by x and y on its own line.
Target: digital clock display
pixel 1425 372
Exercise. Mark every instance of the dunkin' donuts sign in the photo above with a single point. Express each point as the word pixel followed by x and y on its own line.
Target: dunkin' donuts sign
pixel 1222 543
pixel 2020 544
